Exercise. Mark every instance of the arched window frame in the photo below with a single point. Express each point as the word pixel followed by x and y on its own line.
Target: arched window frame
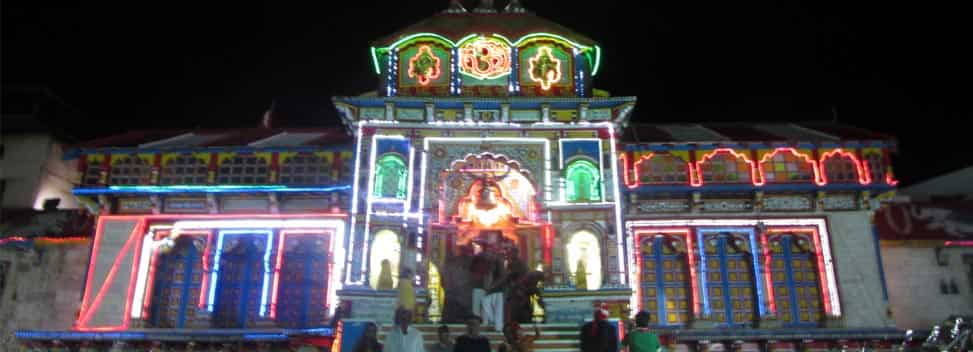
pixel 251 282
pixel 391 163
pixel 718 263
pixel 656 274
pixel 838 166
pixel 573 170
pixel 595 274
pixel 787 165
pixel 715 167
pixel 188 288
pixel 655 169
pixel 793 293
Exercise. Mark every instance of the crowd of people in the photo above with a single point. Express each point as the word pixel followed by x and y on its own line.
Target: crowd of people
pixel 599 335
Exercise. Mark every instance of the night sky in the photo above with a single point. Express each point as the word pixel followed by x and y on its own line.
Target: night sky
pixel 900 69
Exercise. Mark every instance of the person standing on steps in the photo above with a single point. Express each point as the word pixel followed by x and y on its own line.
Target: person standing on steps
pixel 514 342
pixel 641 339
pixel 599 335
pixel 444 344
pixel 472 341
pixel 403 337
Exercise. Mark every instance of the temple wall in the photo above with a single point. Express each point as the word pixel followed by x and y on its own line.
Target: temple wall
pixel 42 289
pixel 914 280
pixel 858 271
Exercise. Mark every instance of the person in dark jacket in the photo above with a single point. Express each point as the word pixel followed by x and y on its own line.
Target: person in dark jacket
pixel 472 341
pixel 599 335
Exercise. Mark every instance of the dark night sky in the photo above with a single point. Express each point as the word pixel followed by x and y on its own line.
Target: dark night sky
pixel 899 69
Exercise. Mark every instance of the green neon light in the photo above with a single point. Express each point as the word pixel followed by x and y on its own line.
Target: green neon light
pixel 378 70
pixel 417 35
pixel 594 71
pixel 468 37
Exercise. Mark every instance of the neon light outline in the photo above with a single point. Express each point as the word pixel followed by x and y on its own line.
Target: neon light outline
pixel 819 251
pixel 548 78
pixel 500 63
pixel 378 70
pixel 816 173
pixel 753 169
pixel 88 310
pixel 278 265
pixel 864 176
pixel 690 257
pixel 638 175
pixel 425 78
pixel 617 199
pixel 216 266
pixel 819 224
pixel 754 258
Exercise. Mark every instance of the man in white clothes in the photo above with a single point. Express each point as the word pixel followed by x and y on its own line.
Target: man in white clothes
pixel 403 337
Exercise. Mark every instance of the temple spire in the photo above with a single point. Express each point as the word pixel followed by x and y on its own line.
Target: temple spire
pixel 485 6
pixel 514 6
pixel 455 7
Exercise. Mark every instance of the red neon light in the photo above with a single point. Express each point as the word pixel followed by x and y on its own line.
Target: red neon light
pixel 767 276
pixel 44 239
pixel 13 239
pixel 428 69
pixel 690 252
pixel 819 252
pixel 548 65
pixel 626 169
pixel 959 244
pixel 204 289
pixel 278 264
pixel 888 178
pixel 91 266
pixel 87 313
pixel 644 158
pixel 707 157
pixel 814 165
pixel 133 277
pixel 864 177
pixel 150 280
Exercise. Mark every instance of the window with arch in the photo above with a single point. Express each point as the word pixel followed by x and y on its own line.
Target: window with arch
pixel 785 167
pixel 725 167
pixel 303 286
pixel 665 282
pixel 663 168
pixel 383 272
pixel 244 169
pixel 391 177
pixel 839 168
pixel 876 166
pixel 305 169
pixel 729 285
pixel 583 181
pixel 185 170
pixel 131 170
pixel 794 275
pixel 178 285
pixel 584 260
pixel 242 269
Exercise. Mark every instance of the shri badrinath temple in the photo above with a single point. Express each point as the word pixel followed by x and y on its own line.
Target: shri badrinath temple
pixel 485 135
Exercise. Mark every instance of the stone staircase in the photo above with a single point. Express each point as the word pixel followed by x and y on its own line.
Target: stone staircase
pixel 554 337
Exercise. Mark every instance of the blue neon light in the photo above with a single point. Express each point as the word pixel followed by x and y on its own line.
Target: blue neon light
pixel 205 189
pixel 216 267
pixel 754 257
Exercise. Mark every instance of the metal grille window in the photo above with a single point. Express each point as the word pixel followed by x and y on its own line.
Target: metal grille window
pixel 730 288
pixel 303 291
pixel 305 169
pixel 841 169
pixel 178 285
pixel 185 170
pixel 131 170
pixel 666 288
pixel 876 166
pixel 240 278
pixel 244 170
pixel 795 278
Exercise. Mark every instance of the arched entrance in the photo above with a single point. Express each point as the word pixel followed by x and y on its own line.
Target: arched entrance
pixel 488 230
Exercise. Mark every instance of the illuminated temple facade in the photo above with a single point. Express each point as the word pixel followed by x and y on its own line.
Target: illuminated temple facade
pixel 485 128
